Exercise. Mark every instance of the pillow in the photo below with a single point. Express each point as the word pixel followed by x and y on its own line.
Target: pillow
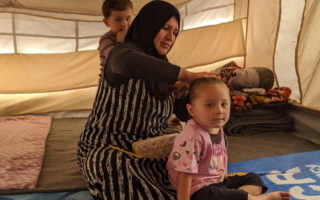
pixel 160 146
pixel 157 147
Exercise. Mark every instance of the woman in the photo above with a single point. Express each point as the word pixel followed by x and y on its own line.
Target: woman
pixel 133 102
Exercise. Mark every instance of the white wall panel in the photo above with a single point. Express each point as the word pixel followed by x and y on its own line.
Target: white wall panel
pixel 6 44
pixel 26 24
pixel 88 44
pixel 45 45
pixel 209 17
pixel 92 29
pixel 5 22
pixel 285 55
pixel 199 5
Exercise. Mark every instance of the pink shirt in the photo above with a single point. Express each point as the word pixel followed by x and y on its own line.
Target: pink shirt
pixel 194 153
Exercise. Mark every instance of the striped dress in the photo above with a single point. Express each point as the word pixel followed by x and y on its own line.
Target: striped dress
pixel 122 115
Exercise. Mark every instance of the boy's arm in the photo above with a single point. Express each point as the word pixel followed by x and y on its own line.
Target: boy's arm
pixel 121 35
pixel 184 186
pixel 105 46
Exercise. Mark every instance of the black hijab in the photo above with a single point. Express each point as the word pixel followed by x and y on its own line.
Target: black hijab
pixel 144 28
pixel 146 25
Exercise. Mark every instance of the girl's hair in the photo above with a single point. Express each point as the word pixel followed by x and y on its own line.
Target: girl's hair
pixel 195 85
pixel 115 5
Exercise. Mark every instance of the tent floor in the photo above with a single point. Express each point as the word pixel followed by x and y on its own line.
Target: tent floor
pixel 60 171
pixel 249 147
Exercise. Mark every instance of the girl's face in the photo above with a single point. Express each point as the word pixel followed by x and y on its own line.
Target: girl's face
pixel 211 107
pixel 166 36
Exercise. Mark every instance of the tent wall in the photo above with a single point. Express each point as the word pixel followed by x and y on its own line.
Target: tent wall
pixel 208 44
pixel 257 33
pixel 308 56
pixel 283 36
pixel 39 73
pixel 48 82
pixel 39 83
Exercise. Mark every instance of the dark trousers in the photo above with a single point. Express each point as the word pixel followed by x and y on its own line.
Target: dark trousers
pixel 228 189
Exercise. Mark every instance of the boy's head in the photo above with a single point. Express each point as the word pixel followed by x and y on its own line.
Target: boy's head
pixel 209 103
pixel 117 14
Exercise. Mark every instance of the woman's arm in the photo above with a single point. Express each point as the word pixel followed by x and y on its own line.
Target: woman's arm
pixel 127 62
pixel 184 186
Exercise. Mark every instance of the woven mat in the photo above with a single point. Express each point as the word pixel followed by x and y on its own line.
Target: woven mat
pixel 22 147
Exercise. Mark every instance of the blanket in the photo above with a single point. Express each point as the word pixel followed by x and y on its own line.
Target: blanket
pixel 22 147
pixel 252 88
pixel 258 121
pixel 298 173
pixel 247 101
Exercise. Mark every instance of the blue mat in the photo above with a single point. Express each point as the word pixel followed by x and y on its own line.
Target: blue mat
pixel 297 173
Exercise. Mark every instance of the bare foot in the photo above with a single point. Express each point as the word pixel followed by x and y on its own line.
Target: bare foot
pixel 279 195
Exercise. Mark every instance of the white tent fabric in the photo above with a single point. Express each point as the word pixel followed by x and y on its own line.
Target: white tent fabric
pixel 49 61
pixel 290 23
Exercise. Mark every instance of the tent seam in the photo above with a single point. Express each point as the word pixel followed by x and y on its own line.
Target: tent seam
pixel 246 38
pixel 296 53
pixel 275 44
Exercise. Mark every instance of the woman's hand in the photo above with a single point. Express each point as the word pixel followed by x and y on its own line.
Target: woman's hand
pixel 187 77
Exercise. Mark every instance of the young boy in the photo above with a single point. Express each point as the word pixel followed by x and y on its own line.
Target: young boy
pixel 197 164
pixel 118 16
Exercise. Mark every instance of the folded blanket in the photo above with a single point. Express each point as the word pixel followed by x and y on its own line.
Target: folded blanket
pixel 22 147
pixel 245 101
pixel 258 121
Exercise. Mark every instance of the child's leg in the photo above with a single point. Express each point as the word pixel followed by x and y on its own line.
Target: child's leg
pixel 279 195
pixel 252 189
pixel 218 192
pixel 253 184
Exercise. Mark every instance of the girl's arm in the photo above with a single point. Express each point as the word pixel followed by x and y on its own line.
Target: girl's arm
pixel 184 186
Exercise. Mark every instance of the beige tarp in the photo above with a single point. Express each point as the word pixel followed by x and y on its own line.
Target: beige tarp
pixel 56 82
pixel 208 45
pixel 36 73
pixel 308 56
pixel 91 7
pixel 293 57
pixel 282 35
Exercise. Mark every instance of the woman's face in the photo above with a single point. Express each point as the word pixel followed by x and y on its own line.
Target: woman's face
pixel 166 36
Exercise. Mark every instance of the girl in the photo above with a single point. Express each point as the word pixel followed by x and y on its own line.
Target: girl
pixel 197 164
